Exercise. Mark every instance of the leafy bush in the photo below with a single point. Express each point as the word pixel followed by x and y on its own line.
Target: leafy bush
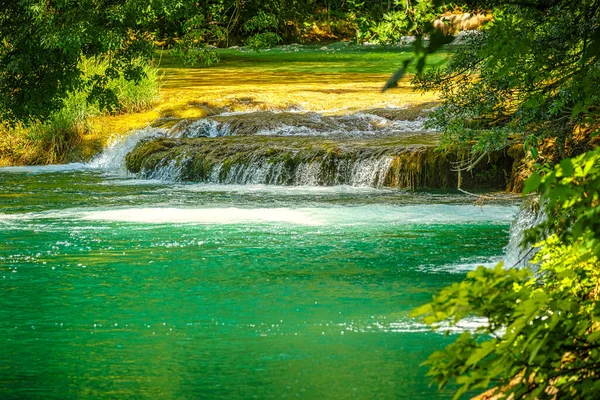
pixel 262 21
pixel 542 338
pixel 52 140
pixel 43 44
pixel 529 79
pixel 263 41
pixel 131 96
pixel 531 75
pixel 192 48
pixel 401 19
pixel 392 28
pixel 261 25
pixel 199 54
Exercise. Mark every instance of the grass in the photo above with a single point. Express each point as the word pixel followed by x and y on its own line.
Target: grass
pixel 311 79
pixel 67 134
pixel 317 59
pixel 338 77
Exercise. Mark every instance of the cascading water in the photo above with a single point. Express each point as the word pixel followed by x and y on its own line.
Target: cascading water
pixel 272 287
pixel 369 172
pixel 515 255
pixel 113 157
pixel 272 123
pixel 296 149
pixel 359 170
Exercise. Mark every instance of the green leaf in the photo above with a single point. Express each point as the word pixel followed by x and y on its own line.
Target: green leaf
pixel 566 167
pixel 533 183
pixel 486 349
pixel 534 153
pixel 393 81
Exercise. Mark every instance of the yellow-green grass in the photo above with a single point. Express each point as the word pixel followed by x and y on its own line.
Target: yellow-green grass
pixel 344 80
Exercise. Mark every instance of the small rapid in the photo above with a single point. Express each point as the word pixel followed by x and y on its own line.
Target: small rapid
pixel 269 123
pixel 366 171
pixel 112 158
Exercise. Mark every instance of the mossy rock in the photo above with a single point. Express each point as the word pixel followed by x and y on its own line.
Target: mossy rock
pixel 321 161
pixel 248 124
pixel 410 113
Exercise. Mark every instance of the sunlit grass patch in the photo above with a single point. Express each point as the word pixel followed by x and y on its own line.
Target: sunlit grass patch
pixel 311 79
pixel 341 59
pixel 68 133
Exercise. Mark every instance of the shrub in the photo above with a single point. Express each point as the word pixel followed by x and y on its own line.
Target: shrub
pixel 53 140
pixel 261 25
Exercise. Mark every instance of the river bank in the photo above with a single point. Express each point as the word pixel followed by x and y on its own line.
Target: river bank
pixel 310 78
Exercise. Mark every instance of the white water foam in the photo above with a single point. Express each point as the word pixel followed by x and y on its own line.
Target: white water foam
pixel 220 216
pixel 515 255
pixel 370 172
pixel 201 128
pixel 351 125
pixel 461 267
pixel 316 124
pixel 464 325
pixel 409 325
pixel 6 219
pixel 168 172
pixel 340 216
pixel 431 214
pixel 280 190
pixel 112 158
pixel 45 169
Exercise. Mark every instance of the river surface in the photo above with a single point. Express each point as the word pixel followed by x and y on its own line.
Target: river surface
pixel 124 288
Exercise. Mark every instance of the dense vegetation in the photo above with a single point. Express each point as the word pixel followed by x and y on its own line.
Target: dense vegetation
pixel 44 42
pixel 528 82
pixel 52 139
pixel 537 70
pixel 529 79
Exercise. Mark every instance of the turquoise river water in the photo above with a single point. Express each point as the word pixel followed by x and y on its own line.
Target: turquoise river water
pixel 123 288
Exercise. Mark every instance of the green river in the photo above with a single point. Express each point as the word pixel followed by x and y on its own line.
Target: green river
pixel 125 288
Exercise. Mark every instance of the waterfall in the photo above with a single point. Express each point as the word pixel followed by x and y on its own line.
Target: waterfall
pixel 529 216
pixel 379 147
pixel 368 172
pixel 112 158
pixel 171 170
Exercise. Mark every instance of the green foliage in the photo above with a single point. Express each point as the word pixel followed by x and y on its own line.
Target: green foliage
pixel 393 26
pixel 401 19
pixel 261 22
pixel 43 43
pixel 572 193
pixel 196 54
pixel 530 75
pixel 130 96
pixel 51 140
pixel 264 40
pixel 260 25
pixel 542 338
pixel 192 48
